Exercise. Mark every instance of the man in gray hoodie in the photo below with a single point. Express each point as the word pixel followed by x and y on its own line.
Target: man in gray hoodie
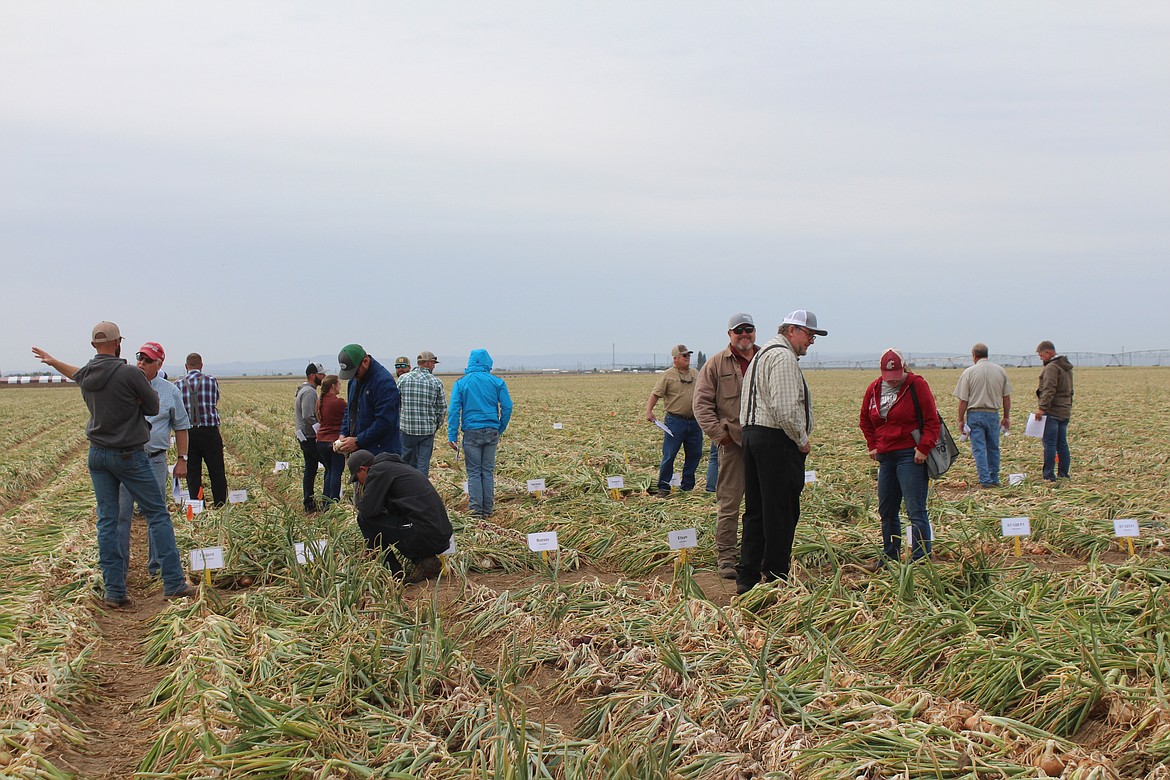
pixel 120 398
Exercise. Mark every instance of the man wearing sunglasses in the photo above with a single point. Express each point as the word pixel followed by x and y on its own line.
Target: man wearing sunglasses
pixel 716 406
pixel 172 416
pixel 777 418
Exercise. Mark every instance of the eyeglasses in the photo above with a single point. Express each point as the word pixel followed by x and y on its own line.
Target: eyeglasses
pixel 144 358
pixel 739 330
pixel 811 336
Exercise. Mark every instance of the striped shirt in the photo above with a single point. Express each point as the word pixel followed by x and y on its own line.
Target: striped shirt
pixel 775 394
pixel 201 397
pixel 424 402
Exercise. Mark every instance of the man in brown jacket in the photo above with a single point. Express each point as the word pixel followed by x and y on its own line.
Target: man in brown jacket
pixel 717 411
pixel 1054 398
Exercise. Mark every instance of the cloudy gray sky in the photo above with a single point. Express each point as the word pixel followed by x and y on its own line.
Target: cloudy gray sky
pixel 260 180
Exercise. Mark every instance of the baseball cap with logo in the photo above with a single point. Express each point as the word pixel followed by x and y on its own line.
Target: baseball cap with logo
pixel 105 332
pixel 805 319
pixel 893 365
pixel 402 361
pixel 679 349
pixel 314 368
pixel 350 357
pixel 740 319
pixel 426 355
pixel 153 350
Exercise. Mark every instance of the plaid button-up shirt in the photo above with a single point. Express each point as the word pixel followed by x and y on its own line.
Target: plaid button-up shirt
pixel 201 397
pixel 424 403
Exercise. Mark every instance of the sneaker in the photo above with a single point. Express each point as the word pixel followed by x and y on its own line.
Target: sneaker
pixel 727 570
pixel 426 569
pixel 873 567
pixel 113 603
pixel 182 593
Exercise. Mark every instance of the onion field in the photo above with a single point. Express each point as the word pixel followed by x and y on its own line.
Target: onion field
pixel 608 657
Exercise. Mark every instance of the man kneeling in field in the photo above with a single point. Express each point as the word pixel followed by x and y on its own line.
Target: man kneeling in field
pixel 399 506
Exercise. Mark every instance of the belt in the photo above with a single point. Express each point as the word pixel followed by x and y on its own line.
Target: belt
pixel 680 416
pixel 982 409
pixel 155 453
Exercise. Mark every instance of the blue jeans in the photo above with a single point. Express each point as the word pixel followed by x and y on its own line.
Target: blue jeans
pixel 713 468
pixel 109 470
pixel 158 464
pixel 687 435
pixel 417 449
pixel 334 468
pixel 901 479
pixel 1056 454
pixel 985 445
pixel 479 449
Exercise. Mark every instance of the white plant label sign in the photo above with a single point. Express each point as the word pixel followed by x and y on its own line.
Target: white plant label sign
pixel 450 547
pixel 466 488
pixel 1016 479
pixel 237 496
pixel 810 477
pixel 545 540
pixel 615 483
pixel 536 486
pixel 681 540
pixel 206 558
pixel 676 480
pixel 558 427
pixel 281 465
pixel 1126 527
pixel 310 551
pixel 1016 526
pixel 195 504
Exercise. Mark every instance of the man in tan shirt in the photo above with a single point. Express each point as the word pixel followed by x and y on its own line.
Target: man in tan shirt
pixel 716 406
pixel 676 388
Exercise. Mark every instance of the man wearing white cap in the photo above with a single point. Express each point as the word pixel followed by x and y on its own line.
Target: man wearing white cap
pixel 717 393
pixel 305 412
pixel 776 413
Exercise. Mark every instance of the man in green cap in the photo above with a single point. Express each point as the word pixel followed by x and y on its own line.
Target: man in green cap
pixel 371 416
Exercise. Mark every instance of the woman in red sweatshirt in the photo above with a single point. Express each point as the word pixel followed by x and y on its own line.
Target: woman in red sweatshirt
pixel 899 437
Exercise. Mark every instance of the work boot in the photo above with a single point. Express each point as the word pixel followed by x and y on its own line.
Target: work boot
pixel 426 569
pixel 727 570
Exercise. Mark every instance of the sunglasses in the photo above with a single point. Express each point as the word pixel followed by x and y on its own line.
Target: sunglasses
pixel 739 330
pixel 402 365
pixel 142 357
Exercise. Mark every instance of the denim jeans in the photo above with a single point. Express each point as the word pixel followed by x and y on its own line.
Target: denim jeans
pixel 985 445
pixel 479 450
pixel 713 468
pixel 110 469
pixel 416 451
pixel 1056 454
pixel 901 479
pixel 687 435
pixel 158 464
pixel 334 468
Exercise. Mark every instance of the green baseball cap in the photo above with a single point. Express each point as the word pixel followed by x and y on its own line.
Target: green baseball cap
pixel 350 357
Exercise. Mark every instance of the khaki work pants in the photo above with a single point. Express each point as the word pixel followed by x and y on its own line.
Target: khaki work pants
pixel 728 496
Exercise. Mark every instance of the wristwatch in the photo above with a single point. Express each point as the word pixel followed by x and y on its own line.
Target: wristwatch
pixel 182 457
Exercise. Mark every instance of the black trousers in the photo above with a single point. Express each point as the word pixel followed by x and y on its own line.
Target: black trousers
pixel 308 485
pixel 413 541
pixel 773 469
pixel 205 444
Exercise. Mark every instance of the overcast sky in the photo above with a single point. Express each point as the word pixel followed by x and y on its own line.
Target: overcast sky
pixel 268 180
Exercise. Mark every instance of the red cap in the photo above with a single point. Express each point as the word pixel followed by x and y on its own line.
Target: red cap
pixel 154 350
pixel 892 365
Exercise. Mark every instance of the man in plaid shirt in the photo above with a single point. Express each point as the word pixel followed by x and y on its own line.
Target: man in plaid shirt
pixel 424 405
pixel 201 397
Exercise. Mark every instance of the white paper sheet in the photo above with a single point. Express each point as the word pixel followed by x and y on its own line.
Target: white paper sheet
pixel 1034 427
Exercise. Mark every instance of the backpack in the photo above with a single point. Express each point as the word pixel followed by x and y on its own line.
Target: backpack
pixel 945 450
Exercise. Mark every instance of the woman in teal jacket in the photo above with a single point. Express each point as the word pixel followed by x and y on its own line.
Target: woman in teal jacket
pixel 481 407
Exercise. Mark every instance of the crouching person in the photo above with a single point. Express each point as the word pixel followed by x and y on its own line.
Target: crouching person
pixel 398 506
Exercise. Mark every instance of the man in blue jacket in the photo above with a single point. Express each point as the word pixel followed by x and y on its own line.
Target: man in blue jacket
pixel 371 415
pixel 481 406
